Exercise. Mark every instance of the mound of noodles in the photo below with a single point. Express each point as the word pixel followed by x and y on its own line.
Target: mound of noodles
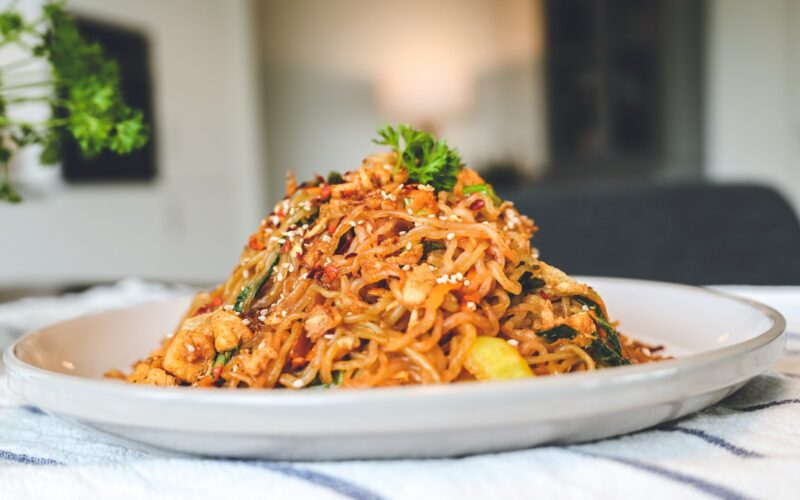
pixel 369 280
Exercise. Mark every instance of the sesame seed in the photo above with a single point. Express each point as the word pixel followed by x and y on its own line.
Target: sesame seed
pixel 471 306
pixel 227 307
pixel 466 282
pixel 297 383
pixel 407 267
pixel 450 236
pixel 409 211
pixel 283 313
pixel 408 246
pixel 328 336
pixel 189 347
pixel 513 342
pixel 246 322
pixel 402 233
pixel 262 318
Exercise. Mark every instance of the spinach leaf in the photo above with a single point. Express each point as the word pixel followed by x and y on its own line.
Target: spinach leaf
pixel 605 355
pixel 558 332
pixel 608 352
pixel 530 283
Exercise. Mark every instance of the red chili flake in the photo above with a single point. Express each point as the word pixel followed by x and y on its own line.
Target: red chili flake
pixel 332 227
pixel 543 295
pixel 331 272
pixel 325 193
pixel 216 372
pixel 287 245
pixel 477 204
pixel 254 243
pixel 280 212
pixel 320 179
pixel 217 301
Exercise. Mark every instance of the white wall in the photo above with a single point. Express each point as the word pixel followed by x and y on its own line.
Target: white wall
pixel 753 93
pixel 328 66
pixel 190 224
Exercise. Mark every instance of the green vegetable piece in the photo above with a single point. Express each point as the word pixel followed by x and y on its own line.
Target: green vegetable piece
pixel 335 178
pixel 604 355
pixel 223 358
pixel 427 160
pixel 602 322
pixel 608 352
pixel 338 378
pixel 558 332
pixel 486 189
pixel 429 246
pixel 530 283
pixel 249 292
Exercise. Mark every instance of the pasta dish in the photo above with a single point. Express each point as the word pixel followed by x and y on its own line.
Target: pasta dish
pixel 407 270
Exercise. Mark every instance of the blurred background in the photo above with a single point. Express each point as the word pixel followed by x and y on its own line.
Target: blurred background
pixel 639 134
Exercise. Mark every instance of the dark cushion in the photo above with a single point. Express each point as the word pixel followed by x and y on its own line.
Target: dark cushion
pixel 697 233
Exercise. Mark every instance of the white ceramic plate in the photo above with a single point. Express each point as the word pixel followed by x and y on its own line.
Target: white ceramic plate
pixel 719 342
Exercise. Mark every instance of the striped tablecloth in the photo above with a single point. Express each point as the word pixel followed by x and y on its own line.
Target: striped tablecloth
pixel 748 446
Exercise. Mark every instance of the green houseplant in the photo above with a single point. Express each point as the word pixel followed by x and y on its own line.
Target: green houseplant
pixel 82 91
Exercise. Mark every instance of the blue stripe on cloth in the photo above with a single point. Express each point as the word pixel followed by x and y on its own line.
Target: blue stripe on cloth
pixel 715 490
pixel 715 440
pixel 335 484
pixel 33 409
pixel 771 404
pixel 21 458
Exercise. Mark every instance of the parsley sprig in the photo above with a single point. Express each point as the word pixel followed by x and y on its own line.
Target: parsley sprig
pixel 82 90
pixel 428 161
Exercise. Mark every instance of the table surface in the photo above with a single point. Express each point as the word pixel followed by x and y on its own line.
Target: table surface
pixel 747 446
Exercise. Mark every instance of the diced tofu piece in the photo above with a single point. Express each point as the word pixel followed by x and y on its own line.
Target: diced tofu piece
pixel 418 286
pixel 321 319
pixel 145 374
pixel 189 355
pixel 228 330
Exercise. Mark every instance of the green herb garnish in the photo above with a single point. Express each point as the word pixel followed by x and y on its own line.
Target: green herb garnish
pixel 427 160
pixel 82 90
